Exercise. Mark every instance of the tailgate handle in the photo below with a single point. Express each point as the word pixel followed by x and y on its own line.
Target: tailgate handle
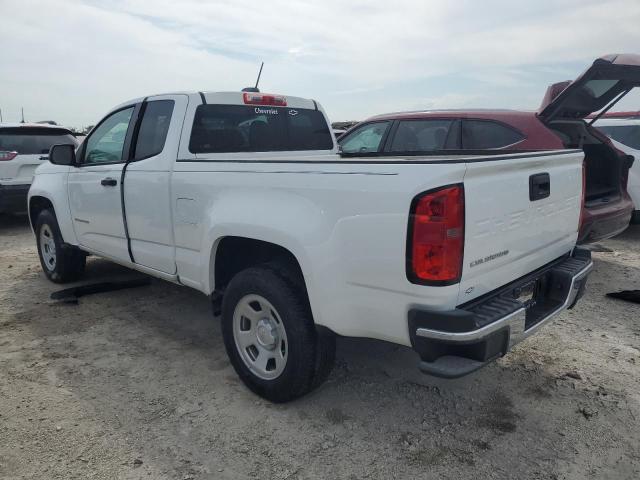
pixel 539 186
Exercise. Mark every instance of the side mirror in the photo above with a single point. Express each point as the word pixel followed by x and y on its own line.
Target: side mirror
pixel 63 155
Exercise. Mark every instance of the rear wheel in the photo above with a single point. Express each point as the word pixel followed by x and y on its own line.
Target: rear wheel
pixel 270 335
pixel 61 263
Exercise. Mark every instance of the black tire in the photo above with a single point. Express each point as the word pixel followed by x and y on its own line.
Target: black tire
pixel 68 264
pixel 310 352
pixel 325 357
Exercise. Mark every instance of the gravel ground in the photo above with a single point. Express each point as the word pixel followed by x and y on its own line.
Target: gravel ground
pixel 136 384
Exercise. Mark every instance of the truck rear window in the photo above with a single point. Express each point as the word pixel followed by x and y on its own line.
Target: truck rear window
pixel 33 141
pixel 243 128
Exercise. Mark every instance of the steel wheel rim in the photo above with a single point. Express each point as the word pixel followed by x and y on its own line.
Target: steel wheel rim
pixel 260 337
pixel 48 247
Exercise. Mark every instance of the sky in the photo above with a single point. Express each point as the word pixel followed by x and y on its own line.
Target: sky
pixel 73 60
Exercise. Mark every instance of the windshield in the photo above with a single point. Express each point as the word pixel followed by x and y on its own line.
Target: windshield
pixel 240 128
pixel 33 141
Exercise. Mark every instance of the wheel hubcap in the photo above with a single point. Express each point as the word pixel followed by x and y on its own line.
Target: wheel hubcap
pixel 267 333
pixel 48 247
pixel 260 337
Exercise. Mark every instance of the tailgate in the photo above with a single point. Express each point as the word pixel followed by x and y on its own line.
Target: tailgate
pixel 521 212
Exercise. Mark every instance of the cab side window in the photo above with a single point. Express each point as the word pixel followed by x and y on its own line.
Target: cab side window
pixel 153 129
pixel 106 142
pixel 365 139
pixel 486 134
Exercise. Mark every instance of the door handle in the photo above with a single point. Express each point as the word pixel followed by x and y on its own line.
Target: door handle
pixel 108 182
pixel 539 186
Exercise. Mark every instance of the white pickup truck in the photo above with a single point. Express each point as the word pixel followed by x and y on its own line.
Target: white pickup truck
pixel 245 197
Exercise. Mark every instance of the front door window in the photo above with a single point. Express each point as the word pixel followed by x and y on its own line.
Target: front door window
pixel 365 139
pixel 106 143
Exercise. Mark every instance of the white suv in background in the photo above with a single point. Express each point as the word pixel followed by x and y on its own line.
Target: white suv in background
pixel 625 133
pixel 23 147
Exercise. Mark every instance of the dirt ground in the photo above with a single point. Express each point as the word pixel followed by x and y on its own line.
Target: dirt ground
pixel 136 384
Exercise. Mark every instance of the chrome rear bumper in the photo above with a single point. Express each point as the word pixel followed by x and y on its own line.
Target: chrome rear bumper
pixel 452 344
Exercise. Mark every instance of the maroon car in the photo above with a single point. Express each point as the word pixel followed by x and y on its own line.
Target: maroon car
pixel 559 124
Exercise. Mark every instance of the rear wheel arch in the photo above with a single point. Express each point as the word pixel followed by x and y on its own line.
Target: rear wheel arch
pixel 232 254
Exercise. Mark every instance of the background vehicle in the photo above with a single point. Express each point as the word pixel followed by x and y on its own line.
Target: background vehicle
pixel 23 147
pixel 629 115
pixel 559 124
pixel 625 134
pixel 244 197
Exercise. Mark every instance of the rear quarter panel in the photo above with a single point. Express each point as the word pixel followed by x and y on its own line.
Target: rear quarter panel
pixel 345 223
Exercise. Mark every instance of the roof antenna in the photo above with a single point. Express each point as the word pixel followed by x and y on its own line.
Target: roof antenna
pixel 255 89
pixel 22 109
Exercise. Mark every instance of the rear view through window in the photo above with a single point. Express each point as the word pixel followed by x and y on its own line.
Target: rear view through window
pixel 486 134
pixel 240 128
pixel 628 135
pixel 421 135
pixel 364 139
pixel 33 141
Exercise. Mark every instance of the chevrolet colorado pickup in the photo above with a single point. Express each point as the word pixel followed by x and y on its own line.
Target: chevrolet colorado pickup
pixel 244 197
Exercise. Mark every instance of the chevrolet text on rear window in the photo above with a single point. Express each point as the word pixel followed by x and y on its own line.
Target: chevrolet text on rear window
pixel 251 128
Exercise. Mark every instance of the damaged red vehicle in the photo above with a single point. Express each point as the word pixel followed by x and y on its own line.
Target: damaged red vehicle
pixel 561 123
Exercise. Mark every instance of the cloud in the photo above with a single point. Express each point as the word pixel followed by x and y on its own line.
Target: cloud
pixel 74 60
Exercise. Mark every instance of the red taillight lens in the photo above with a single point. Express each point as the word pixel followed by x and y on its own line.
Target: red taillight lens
pixel 6 156
pixel 436 236
pixel 263 99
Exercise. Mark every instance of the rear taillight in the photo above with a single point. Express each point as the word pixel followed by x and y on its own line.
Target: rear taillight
pixel 251 98
pixel 435 242
pixel 6 156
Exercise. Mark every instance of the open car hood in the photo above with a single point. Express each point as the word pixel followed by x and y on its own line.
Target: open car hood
pixel 608 77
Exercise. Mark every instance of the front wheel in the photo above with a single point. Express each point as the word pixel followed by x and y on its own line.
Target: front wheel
pixel 270 336
pixel 61 263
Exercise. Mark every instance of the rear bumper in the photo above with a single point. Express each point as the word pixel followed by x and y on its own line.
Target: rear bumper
pixel 454 343
pixel 13 198
pixel 604 222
